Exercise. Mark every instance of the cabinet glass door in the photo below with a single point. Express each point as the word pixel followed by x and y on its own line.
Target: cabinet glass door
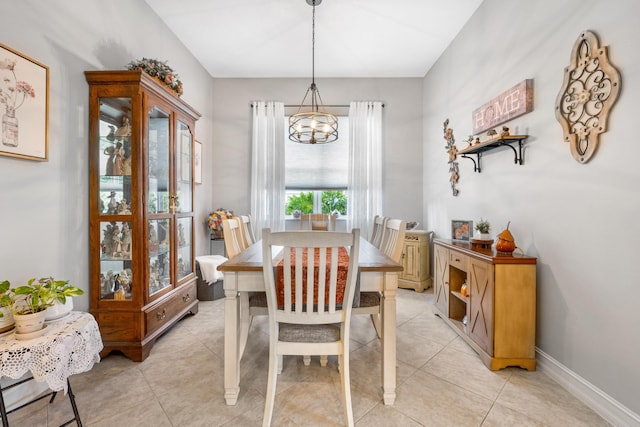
pixel 116 277
pixel 114 198
pixel 115 156
pixel 185 233
pixel 184 200
pixel 158 162
pixel 184 170
pixel 159 255
pixel 159 203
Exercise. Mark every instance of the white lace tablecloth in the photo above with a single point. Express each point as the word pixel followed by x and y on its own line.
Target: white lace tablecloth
pixel 70 345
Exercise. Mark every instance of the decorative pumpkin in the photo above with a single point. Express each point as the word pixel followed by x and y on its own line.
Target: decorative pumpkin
pixel 506 243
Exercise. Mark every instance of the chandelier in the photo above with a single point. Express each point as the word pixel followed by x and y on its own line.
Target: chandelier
pixel 315 126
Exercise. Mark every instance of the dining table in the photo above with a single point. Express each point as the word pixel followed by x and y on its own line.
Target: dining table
pixel 243 274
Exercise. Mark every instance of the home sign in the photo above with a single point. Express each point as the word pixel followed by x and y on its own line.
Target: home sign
pixel 508 105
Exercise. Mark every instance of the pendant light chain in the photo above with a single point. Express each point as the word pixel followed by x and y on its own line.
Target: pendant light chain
pixel 313 45
pixel 315 126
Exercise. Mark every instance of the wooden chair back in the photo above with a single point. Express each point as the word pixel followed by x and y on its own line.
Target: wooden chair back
pixel 246 228
pixel 393 239
pixel 318 222
pixel 233 241
pixel 377 230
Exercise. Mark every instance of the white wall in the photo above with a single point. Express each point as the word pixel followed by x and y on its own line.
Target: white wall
pixel 402 117
pixel 580 220
pixel 44 213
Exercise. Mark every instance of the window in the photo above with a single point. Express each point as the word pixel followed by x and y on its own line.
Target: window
pixel 316 176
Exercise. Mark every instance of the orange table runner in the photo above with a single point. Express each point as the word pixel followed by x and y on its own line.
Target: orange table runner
pixel 343 267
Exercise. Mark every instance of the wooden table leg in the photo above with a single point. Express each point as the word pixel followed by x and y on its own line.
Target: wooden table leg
pixel 231 339
pixel 389 338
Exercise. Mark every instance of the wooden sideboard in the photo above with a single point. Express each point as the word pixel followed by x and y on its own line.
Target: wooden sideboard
pixel 497 317
pixel 415 260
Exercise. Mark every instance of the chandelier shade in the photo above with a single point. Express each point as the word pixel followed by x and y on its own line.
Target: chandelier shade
pixel 315 126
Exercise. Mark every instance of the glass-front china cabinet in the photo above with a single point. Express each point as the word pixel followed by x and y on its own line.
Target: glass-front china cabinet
pixel 141 138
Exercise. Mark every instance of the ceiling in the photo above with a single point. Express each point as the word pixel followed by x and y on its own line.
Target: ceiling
pixel 354 38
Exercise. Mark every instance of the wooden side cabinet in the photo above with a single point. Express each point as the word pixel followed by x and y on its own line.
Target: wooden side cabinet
pixel 415 260
pixel 441 280
pixel 141 208
pixel 495 313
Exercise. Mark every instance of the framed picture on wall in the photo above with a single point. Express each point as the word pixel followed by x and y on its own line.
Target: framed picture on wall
pixel 24 106
pixel 461 230
pixel 197 161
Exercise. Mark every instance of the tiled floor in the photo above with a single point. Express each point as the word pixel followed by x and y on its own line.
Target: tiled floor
pixel 441 382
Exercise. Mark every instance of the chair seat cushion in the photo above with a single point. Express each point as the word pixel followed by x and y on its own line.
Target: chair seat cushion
pixel 309 333
pixel 369 299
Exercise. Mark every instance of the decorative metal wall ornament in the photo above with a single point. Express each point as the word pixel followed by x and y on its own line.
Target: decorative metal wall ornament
pixel 453 155
pixel 590 88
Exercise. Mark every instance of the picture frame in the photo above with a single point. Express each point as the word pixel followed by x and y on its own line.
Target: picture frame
pixel 24 106
pixel 461 230
pixel 197 162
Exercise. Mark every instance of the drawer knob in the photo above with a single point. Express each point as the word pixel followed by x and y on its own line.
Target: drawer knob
pixel 161 315
pixel 457 259
pixel 186 297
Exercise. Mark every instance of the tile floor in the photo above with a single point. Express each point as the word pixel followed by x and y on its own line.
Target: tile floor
pixel 440 382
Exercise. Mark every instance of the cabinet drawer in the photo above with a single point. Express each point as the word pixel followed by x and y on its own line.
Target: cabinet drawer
pixel 458 260
pixel 168 309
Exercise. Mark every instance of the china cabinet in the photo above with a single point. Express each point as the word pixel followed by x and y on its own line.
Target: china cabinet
pixel 141 209
pixel 415 260
pixel 489 299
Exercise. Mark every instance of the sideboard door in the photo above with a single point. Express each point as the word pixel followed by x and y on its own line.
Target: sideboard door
pixel 480 327
pixel 441 282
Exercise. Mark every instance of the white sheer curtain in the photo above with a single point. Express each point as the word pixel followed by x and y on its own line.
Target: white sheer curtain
pixel 267 167
pixel 365 164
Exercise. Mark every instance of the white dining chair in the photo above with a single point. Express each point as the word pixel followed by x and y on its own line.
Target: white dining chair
pixel 391 245
pixel 377 230
pixel 246 229
pixel 393 239
pixel 251 303
pixel 233 241
pixel 308 319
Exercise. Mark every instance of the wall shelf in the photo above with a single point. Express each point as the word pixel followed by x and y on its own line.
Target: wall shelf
pixel 505 141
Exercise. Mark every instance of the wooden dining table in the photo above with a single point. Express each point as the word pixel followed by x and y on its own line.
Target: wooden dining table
pixel 243 273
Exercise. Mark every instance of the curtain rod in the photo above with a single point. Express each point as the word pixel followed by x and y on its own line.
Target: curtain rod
pixel 307 106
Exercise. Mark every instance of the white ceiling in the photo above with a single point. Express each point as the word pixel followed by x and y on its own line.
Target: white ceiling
pixel 354 38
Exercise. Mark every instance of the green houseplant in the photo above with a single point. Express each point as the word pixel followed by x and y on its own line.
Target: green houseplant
pixel 28 303
pixel 62 294
pixel 6 316
pixel 483 227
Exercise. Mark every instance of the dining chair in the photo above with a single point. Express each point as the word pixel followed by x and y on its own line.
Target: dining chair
pixel 391 245
pixel 233 240
pixel 318 222
pixel 246 229
pixel 306 313
pixel 377 230
pixel 251 303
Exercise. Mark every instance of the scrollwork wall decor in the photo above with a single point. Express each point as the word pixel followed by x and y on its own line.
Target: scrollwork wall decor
pixel 590 88
pixel 453 155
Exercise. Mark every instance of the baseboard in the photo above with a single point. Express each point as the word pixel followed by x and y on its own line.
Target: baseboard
pixel 603 404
